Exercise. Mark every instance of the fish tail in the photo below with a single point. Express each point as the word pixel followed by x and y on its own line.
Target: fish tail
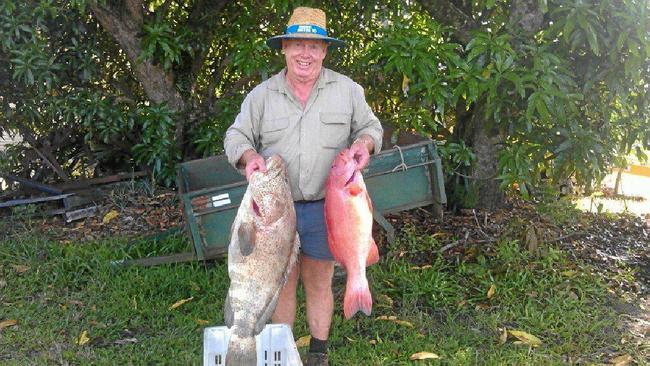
pixel 242 351
pixel 357 297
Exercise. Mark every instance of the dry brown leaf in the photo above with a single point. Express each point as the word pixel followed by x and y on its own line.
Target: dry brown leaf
pixel 491 291
pixel 503 337
pixel 568 273
pixel 384 317
pixel 83 338
pixel 531 240
pixel 423 356
pixel 526 338
pixel 303 341
pixel 19 268
pixel 126 340
pixel 202 322
pixel 112 214
pixel 180 302
pixel 385 300
pixel 394 319
pixel 8 323
pixel 622 360
pixel 404 323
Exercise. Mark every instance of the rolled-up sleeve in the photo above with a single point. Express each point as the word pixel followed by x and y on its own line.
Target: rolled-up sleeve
pixel 364 121
pixel 243 134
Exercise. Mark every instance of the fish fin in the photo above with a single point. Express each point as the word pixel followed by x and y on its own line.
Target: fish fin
pixel 373 253
pixel 228 313
pixel 268 311
pixel 246 238
pixel 242 351
pixel 270 307
pixel 354 189
pixel 357 297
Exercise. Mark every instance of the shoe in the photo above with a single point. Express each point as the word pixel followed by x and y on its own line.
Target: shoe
pixel 317 359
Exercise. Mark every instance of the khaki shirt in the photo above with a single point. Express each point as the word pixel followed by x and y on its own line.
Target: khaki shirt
pixel 272 121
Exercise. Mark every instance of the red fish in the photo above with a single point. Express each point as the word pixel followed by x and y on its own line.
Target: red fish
pixel 348 216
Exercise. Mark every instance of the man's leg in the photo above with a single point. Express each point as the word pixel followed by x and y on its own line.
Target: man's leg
pixel 317 281
pixel 285 311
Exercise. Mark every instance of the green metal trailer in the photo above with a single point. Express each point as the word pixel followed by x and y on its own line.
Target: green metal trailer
pixel 397 179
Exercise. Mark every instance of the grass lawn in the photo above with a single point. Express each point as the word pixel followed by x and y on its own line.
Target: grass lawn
pixel 72 306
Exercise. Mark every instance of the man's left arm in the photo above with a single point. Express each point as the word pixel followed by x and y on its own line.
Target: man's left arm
pixel 366 130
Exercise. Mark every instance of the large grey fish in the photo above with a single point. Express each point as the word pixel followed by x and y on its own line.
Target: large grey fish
pixel 263 249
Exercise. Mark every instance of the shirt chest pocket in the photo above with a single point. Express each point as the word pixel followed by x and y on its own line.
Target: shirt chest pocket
pixel 272 130
pixel 334 129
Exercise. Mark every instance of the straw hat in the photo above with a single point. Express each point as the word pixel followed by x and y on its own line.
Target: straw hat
pixel 307 23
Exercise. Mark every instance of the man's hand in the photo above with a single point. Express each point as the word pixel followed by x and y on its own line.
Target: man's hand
pixel 361 149
pixel 253 162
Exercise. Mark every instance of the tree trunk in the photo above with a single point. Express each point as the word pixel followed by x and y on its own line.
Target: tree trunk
pixel 486 141
pixel 482 135
pixel 124 23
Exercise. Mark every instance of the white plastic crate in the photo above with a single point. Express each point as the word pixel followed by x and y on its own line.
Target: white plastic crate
pixel 275 346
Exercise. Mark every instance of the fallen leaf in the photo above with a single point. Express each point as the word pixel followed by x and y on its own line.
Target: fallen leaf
pixel 423 356
pixel 422 267
pixel 568 273
pixel 503 337
pixel 384 317
pixel 110 216
pixel 8 323
pixel 531 240
pixel 202 322
pixel 491 291
pixel 404 323
pixel 385 300
pixel 126 340
pixel 373 342
pixel 303 341
pixel 19 268
pixel 180 302
pixel 3 283
pixel 394 319
pixel 526 338
pixel 622 360
pixel 83 338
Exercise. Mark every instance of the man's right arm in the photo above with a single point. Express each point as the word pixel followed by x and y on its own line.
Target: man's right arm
pixel 242 137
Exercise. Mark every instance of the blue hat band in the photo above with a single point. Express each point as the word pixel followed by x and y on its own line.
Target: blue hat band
pixel 306 29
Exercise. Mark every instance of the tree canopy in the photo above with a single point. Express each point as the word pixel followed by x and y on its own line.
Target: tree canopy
pixel 509 88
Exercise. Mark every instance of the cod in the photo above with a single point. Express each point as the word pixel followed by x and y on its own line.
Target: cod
pixel 262 252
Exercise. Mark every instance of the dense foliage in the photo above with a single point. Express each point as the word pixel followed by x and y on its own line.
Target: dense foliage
pixel 560 87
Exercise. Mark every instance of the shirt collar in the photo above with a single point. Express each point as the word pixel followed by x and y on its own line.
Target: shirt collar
pixel 279 81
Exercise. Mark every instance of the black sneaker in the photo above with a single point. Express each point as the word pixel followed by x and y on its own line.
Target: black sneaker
pixel 317 359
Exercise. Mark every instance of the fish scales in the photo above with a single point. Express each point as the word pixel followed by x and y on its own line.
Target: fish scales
pixel 263 249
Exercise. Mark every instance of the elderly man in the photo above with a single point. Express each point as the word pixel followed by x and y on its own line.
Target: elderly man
pixel 306 114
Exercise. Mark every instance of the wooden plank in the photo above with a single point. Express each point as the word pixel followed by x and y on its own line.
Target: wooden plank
pixel 84 183
pixel 32 184
pixel 211 253
pixel 80 214
pixel 34 200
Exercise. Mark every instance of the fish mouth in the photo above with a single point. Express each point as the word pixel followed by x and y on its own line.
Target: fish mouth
pixel 352 178
pixel 256 208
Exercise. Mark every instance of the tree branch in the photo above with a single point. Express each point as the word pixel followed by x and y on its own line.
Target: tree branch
pixel 445 12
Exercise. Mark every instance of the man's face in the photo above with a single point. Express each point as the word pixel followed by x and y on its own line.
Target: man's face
pixel 304 57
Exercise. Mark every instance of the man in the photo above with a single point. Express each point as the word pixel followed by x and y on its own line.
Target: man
pixel 306 114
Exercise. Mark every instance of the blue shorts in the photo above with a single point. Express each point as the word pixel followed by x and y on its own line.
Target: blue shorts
pixel 310 222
